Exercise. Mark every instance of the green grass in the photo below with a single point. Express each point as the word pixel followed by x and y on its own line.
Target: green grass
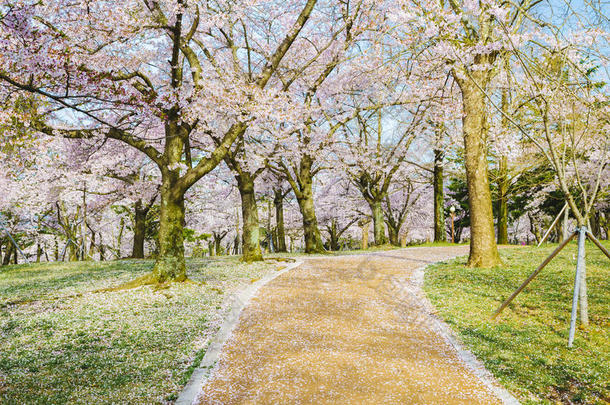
pixel 61 343
pixel 526 348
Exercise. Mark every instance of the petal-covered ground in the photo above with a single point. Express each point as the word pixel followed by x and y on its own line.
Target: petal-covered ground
pixel 344 330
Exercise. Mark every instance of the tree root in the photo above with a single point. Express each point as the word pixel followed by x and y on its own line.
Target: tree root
pixel 147 279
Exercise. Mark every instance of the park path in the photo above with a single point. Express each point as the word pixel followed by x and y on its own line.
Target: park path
pixel 344 330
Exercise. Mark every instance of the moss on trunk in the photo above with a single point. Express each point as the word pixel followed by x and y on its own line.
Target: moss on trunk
pixel 170 265
pixel 378 222
pixel 251 249
pixel 313 238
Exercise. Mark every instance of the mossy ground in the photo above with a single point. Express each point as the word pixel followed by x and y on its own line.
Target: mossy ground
pixel 61 342
pixel 525 348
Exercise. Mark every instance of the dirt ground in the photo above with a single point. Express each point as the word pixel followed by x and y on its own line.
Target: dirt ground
pixel 344 330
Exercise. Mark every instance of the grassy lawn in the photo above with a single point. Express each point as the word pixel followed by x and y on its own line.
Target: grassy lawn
pixel 61 343
pixel 526 347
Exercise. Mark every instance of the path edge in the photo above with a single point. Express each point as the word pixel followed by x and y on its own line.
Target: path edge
pixel 241 299
pixel 464 354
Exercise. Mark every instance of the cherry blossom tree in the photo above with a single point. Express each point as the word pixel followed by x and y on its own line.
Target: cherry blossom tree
pixel 163 77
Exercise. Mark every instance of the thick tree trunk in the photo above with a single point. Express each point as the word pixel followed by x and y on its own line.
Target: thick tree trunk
pixel 139 230
pixel 251 249
pixel 502 202
pixel 218 245
pixel 333 233
pixel 278 201
pixel 440 233
pixel 483 248
pixel 313 239
pixel 393 235
pixel 170 265
pixel 378 222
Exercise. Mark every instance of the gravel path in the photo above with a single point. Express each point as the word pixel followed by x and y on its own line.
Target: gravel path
pixel 344 330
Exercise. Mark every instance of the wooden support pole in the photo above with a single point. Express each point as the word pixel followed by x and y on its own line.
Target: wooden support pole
pixel 553 225
pixel 533 275
pixel 582 231
pixel 598 244
pixel 16 245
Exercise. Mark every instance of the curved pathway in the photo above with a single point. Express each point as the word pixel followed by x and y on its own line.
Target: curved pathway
pixel 344 330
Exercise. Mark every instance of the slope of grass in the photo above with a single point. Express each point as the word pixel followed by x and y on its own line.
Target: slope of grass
pixel 526 347
pixel 61 343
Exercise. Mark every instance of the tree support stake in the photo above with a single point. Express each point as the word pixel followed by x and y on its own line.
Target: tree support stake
pixel 533 275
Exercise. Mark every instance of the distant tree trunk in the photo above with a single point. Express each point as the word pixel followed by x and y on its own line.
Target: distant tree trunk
pixel 92 246
pixel 1 251
pixel 251 249
pixel 440 234
pixel 139 230
pixel 378 221
pixel 278 201
pixel 393 235
pixel 38 252
pixel 120 237
pixel 218 244
pixel 333 234
pixel 483 248
pixel 72 250
pixel 503 202
pixel 15 256
pixel 102 249
pixel 365 234
pixel 8 254
pixel 596 229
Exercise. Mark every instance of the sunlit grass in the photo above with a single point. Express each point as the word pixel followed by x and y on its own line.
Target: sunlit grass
pixel 61 343
pixel 526 347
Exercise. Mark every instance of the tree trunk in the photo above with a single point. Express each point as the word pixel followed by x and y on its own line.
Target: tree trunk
pixel 393 235
pixel 7 255
pixel 333 232
pixel 503 202
pixel 38 252
pixel 378 222
pixel 483 248
pixel 251 249
pixel 170 264
pixel 313 239
pixel 365 235
pixel 440 233
pixel 120 238
pixel 218 245
pixel 278 201
pixel 139 230
pixel 102 249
